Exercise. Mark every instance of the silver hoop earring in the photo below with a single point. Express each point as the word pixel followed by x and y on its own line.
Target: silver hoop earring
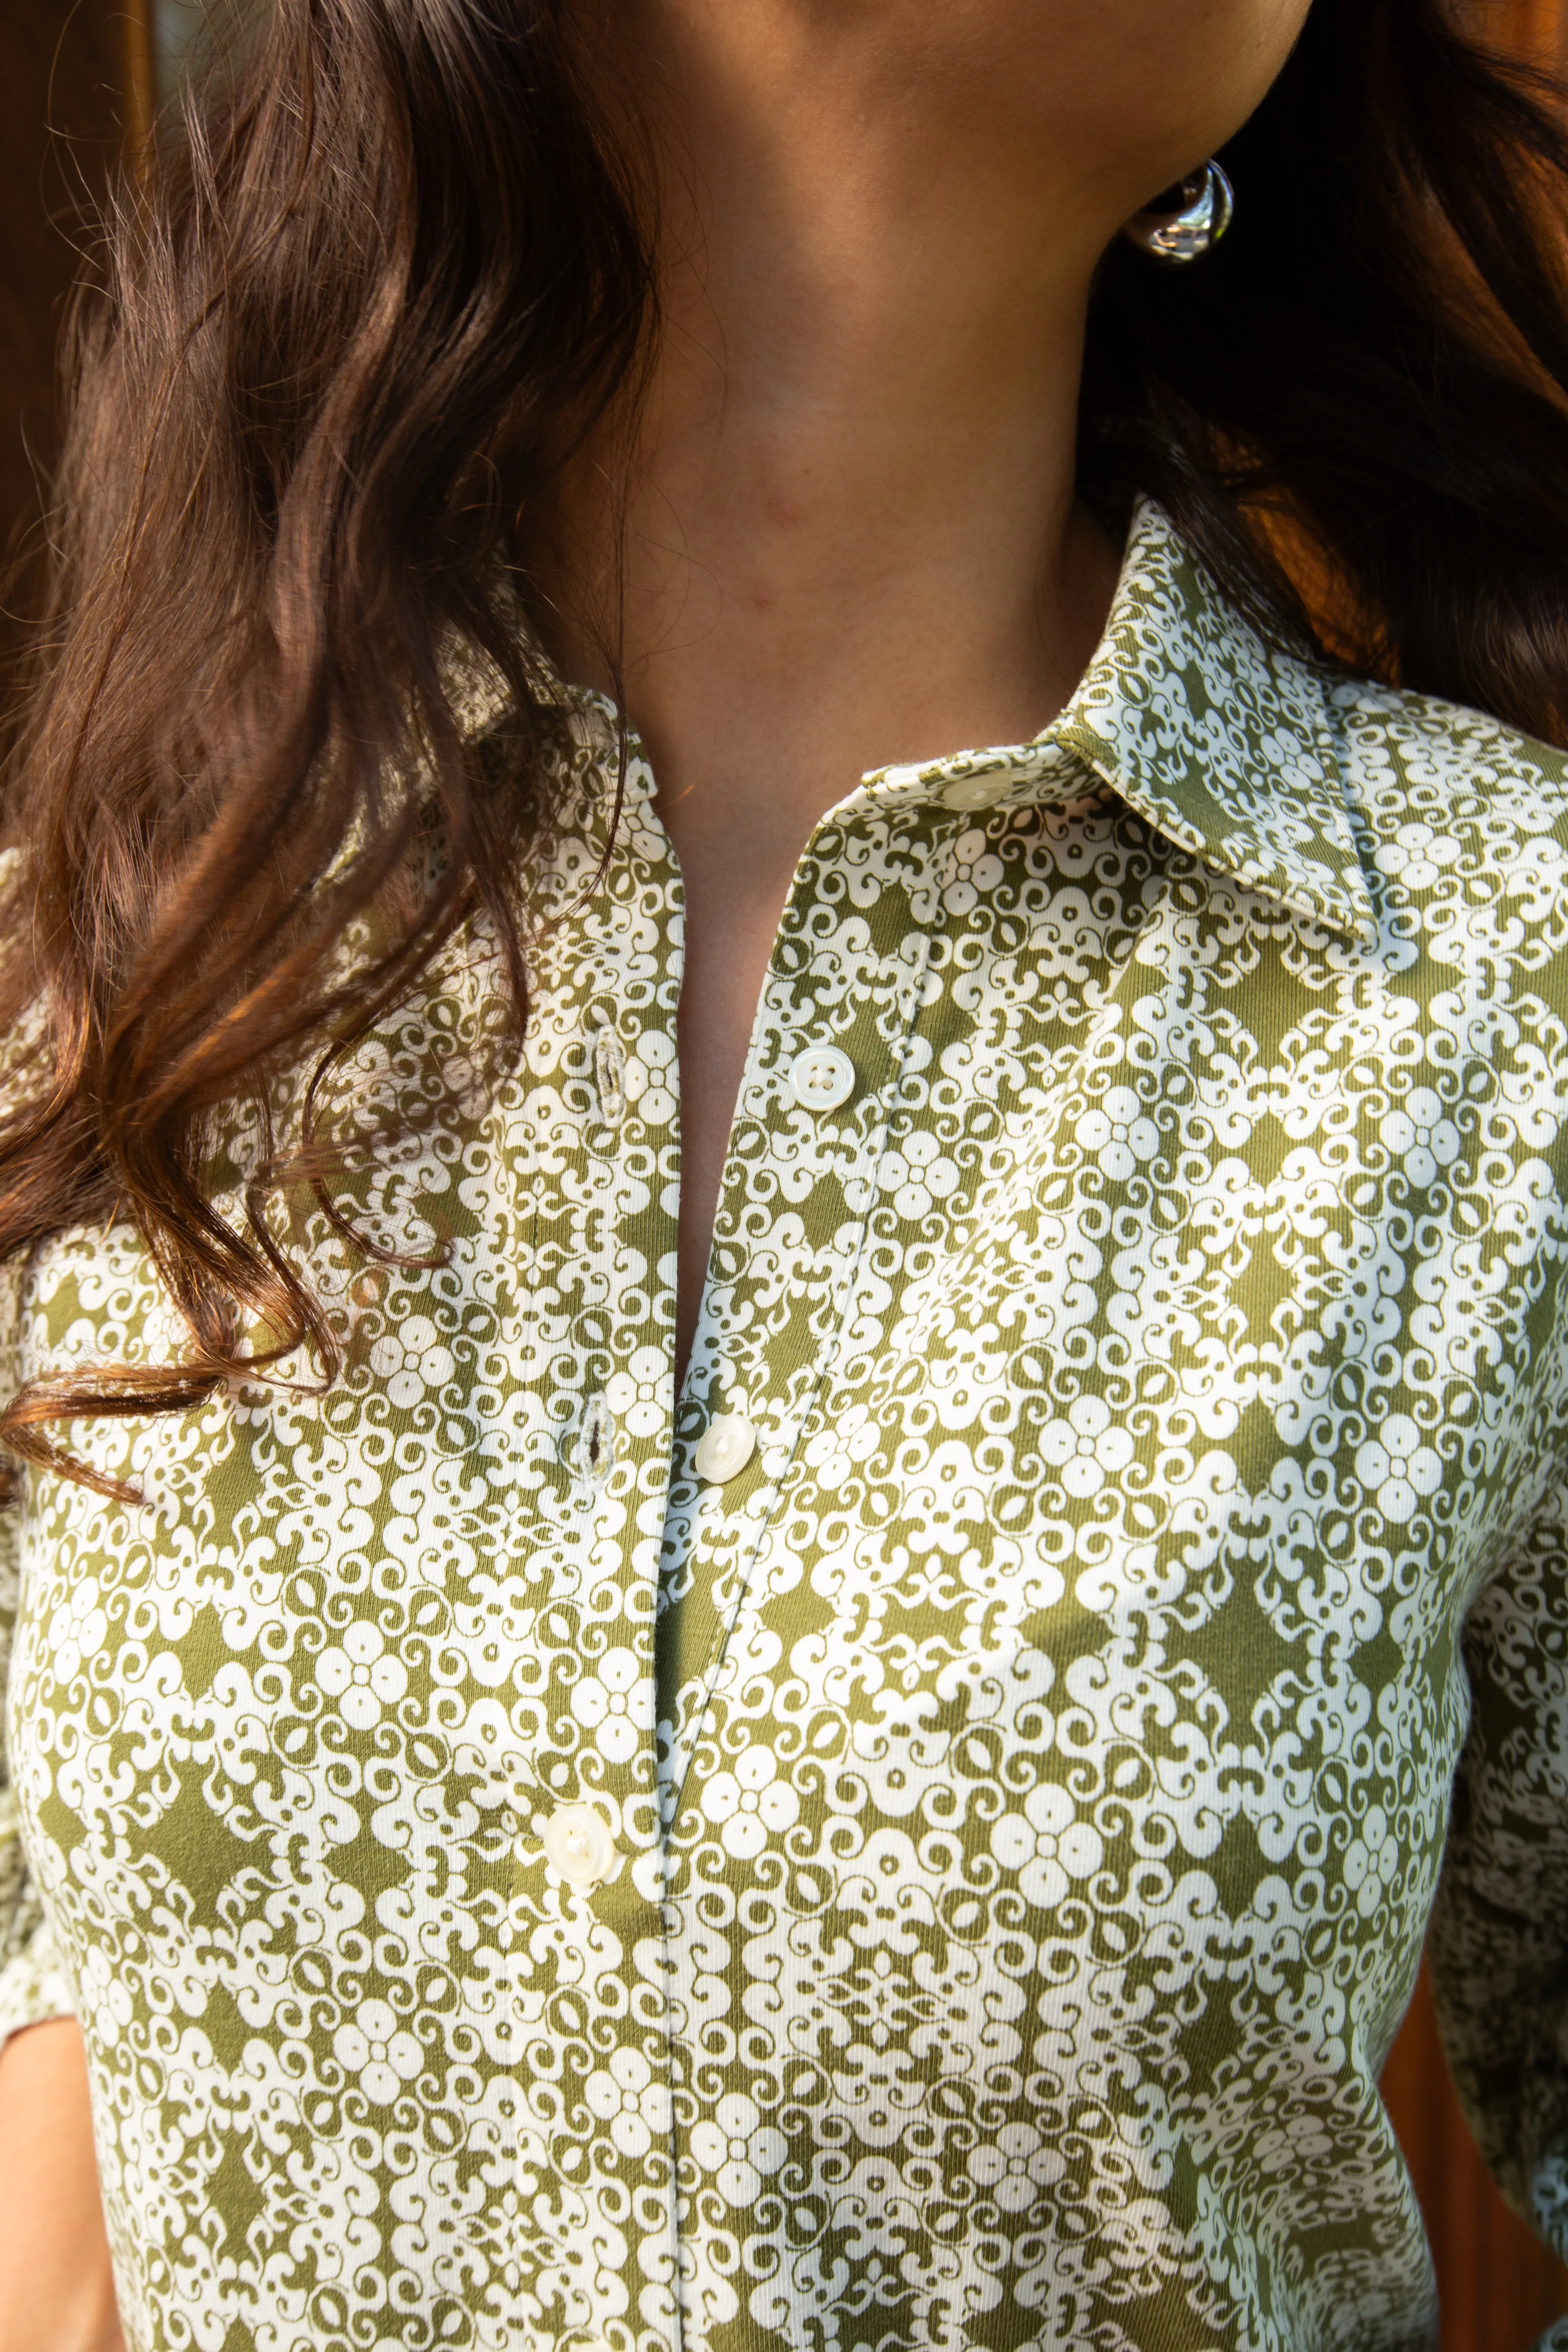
pixel 1186 221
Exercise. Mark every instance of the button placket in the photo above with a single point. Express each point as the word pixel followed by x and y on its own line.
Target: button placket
pixel 742 1526
pixel 758 1511
pixel 582 1905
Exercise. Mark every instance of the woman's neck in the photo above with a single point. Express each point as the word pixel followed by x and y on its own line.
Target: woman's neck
pixel 849 526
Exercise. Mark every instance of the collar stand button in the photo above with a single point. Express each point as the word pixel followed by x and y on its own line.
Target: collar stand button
pixel 725 1447
pixel 975 792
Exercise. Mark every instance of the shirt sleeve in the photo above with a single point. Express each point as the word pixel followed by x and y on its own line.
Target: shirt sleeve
pixel 1497 1945
pixel 33 1982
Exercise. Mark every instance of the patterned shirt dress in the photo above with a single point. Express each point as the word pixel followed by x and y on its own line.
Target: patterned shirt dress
pixel 921 1841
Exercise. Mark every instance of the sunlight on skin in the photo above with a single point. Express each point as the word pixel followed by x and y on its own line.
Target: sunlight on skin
pixel 55 2291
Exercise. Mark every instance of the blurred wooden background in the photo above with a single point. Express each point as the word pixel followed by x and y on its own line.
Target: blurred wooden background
pixel 62 78
pixel 77 77
pixel 1534 25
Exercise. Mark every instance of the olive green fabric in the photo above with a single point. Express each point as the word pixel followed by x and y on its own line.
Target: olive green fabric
pixel 952 1882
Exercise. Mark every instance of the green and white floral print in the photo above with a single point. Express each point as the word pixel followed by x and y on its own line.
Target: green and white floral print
pixel 922 1841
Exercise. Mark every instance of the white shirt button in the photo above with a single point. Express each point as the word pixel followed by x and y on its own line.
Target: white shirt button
pixel 725 1447
pixel 975 792
pixel 581 1842
pixel 822 1078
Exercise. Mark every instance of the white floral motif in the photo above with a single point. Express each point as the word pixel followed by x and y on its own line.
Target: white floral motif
pixel 975 868
pixel 603 1700
pixel 363 1674
pixel 1119 1133
pixel 1416 855
pixel 1371 1861
pixel 1422 1135
pixel 628 2097
pixel 384 2054
pixel 751 1804
pixel 636 1393
pixel 412 1360
pixel 1400 1467
pixel 1015 2166
pixel 1088 1447
pixel 1048 1845
pixel 737 2145
pixel 105 1997
pixel 77 1628
pixel 918 1174
pixel 649 1078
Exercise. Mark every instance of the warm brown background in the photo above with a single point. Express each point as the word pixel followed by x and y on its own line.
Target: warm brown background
pixel 75 80
pixel 61 73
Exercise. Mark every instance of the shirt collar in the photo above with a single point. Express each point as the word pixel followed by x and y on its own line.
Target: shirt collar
pixel 1226 744
pixel 1224 741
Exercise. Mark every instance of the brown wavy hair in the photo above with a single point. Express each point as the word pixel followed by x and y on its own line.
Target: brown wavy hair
pixel 363 300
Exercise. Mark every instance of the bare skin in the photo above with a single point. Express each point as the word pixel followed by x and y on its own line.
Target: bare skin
pixel 57 2293
pixel 851 538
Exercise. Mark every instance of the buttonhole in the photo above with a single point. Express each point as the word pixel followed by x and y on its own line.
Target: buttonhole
pixel 610 1076
pixel 598 1439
